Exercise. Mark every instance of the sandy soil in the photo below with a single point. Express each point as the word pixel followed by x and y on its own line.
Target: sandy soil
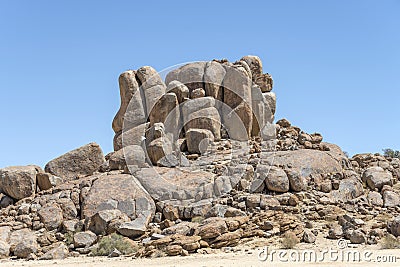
pixel 244 255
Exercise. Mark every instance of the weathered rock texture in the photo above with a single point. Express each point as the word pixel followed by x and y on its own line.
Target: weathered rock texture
pixel 224 174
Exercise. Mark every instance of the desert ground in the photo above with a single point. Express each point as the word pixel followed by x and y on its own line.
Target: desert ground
pixel 243 255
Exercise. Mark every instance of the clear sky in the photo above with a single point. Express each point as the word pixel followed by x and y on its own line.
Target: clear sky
pixel 335 64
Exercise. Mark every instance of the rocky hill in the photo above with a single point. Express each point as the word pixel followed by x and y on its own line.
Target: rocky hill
pixel 199 165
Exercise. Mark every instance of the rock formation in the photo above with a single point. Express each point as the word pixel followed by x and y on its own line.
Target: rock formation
pixel 198 165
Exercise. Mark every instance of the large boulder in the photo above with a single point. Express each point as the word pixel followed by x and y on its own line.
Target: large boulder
pixel 255 65
pixel 198 140
pixel 129 155
pixel 181 91
pixel 102 222
pixel 190 74
pixel 18 182
pixel 122 192
pixel 166 108
pixel 176 183
pixel 304 162
pixel 84 239
pixel 275 178
pixel 133 136
pixel 59 252
pixel 263 106
pixel 83 161
pixel 213 77
pixel 4 249
pixel 131 100
pixel 377 177
pixel 194 105
pixel 51 216
pixel 158 149
pixel 23 242
pixel 237 95
pixel 390 199
pixel 152 85
pixel 349 188
pixel 207 119
pixel 238 122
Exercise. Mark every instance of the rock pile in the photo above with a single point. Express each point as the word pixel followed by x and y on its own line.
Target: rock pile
pixel 198 166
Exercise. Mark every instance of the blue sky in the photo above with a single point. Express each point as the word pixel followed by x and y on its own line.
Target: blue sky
pixel 335 64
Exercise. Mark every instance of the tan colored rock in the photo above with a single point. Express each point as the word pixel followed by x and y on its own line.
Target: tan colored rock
pixel 197 104
pixel 100 221
pixel 190 74
pixel 305 161
pixel 237 86
pixel 4 249
pixel 158 149
pixel 83 161
pixel 166 106
pixel 23 243
pixel 227 239
pixel 265 82
pixel 173 250
pixel 390 199
pixel 18 182
pixel 129 155
pixel 275 178
pixel 69 211
pixel 84 239
pixel 212 229
pixel 255 64
pixel 5 232
pixel 126 193
pixel 375 199
pixel 51 216
pixel 131 100
pixel 171 213
pixel 134 228
pixel 59 252
pixel 152 85
pixel 198 140
pixel 239 122
pixel 130 137
pixel 263 107
pixel 197 93
pixel 376 177
pixel 46 181
pixel 207 119
pixel 181 91
pixel 154 132
pixel 297 182
pixel 213 77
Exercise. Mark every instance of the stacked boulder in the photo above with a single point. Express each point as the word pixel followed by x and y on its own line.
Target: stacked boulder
pixel 239 176
pixel 199 103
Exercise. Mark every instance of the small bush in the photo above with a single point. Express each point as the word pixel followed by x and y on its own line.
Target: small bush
pixel 390 242
pixel 390 153
pixel 198 219
pixel 114 241
pixel 69 238
pixel 289 240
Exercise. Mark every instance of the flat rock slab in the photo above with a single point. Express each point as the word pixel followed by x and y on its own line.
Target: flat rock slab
pixel 166 183
pixel 304 161
pixel 83 161
pixel 119 191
